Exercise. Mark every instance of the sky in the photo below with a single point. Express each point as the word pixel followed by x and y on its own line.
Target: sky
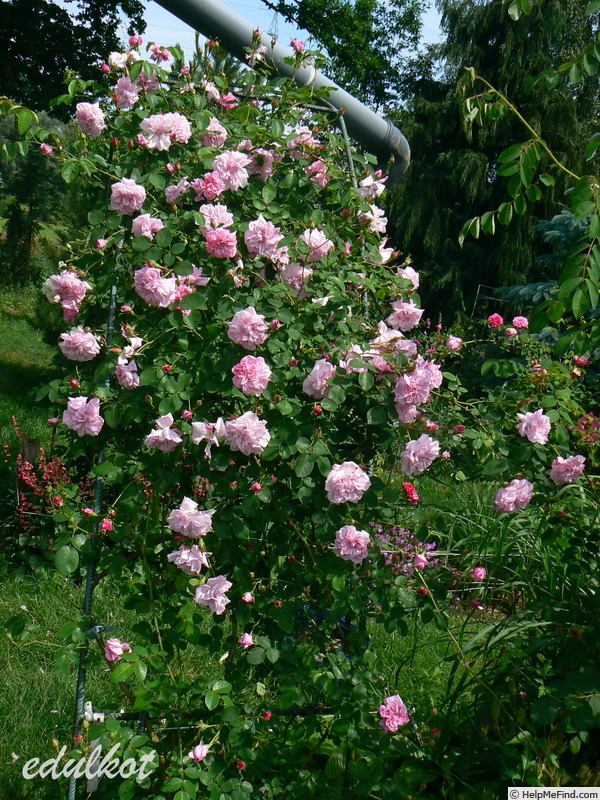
pixel 166 29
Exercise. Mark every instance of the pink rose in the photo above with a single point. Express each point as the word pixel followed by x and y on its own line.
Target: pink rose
pixel 247 433
pixel 230 166
pixel 495 320
pixel 145 225
pixel 221 243
pixel 190 522
pixel 248 597
pixel 295 275
pixel 370 188
pixel 208 188
pixel 90 118
pixel 297 45
pixel 510 333
pixel 520 323
pixel 212 594
pixel 199 752
pixel 153 288
pixel 318 244
pixel 315 384
pixel 177 190
pixel 127 93
pixel 189 559
pixel 393 714
pixel 216 134
pixel 352 544
pixel 346 483
pixel 567 470
pixel 114 649
pixel 248 328
pixel 127 196
pixel 419 454
pixel 262 239
pixel 479 574
pixel 162 129
pixel 534 426
pixel 215 216
pixel 251 375
pixel 211 432
pixel 405 316
pixel 127 375
pixel 409 274
pixel 374 219
pixel 514 497
pixel 79 345
pixel 453 343
pixel 163 437
pixel 246 640
pixel 83 416
pixel 46 149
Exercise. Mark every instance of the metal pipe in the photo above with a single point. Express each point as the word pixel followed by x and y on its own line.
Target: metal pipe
pixel 214 19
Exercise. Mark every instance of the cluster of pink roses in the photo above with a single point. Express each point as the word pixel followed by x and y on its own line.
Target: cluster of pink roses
pixel 68 290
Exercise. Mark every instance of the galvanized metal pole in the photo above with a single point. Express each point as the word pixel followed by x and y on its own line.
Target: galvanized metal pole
pixel 216 20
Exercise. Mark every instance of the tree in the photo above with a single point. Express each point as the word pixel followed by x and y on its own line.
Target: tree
pixel 45 39
pixel 453 177
pixel 368 42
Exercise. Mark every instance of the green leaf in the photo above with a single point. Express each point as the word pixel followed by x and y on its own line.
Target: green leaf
pixel 70 171
pixel 140 244
pixel 223 687
pixel 545 710
pixel 580 304
pixel 194 300
pixel 592 8
pixel 112 415
pixel 211 700
pixel 366 380
pixel 304 465
pixel 24 119
pixel 163 238
pixel 122 671
pixel 505 213
pixel 376 415
pixel 575 73
pixel 141 670
pixel 66 560
pixel 256 655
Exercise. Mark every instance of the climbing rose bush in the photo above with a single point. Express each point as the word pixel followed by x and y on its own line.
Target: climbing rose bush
pixel 272 330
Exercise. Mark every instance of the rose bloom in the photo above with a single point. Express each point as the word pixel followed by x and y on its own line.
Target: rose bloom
pixel 318 244
pixel 215 216
pixel 567 470
pixel 127 93
pixel 67 287
pixel 230 166
pixel 127 375
pixel 520 323
pixel 163 437
pixel 479 574
pixel 208 188
pixel 162 129
pixel 346 483
pixel 114 649
pixel 514 497
pixel 83 416
pixel 153 288
pixel 248 597
pixel 510 333
pixel 247 433
pixel 127 196
pixel 495 320
pixel 212 594
pixel 419 454
pixel 374 219
pixel 221 243
pixel 79 345
pixel 145 225
pixel 409 274
pixel 262 238
pixel 295 275
pixel 534 426
pixel 405 316
pixel 177 190
pixel 199 752
pixel 298 45
pixel 315 384
pixel 251 375
pixel 248 328
pixel 246 640
pixel 370 188
pixel 352 544
pixel 189 559
pixel 90 118
pixel 454 343
pixel 190 522
pixel 216 134
pixel 393 714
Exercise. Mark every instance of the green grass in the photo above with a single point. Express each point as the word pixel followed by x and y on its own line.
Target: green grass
pixel 25 363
